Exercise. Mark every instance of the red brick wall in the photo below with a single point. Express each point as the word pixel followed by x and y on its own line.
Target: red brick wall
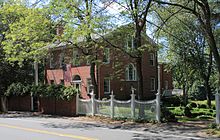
pixel 19 103
pixel 82 71
pixel 121 87
pixel 53 106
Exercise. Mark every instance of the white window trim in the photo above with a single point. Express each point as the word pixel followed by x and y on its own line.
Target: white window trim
pixel 166 84
pixel 108 55
pixel 88 85
pixel 75 57
pixel 154 88
pixel 134 73
pixel 109 85
pixel 152 57
pixel 127 47
pixel 52 65
pixel 61 59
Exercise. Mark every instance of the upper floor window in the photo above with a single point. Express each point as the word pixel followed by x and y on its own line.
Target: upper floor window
pixel 166 84
pixel 76 58
pixel 129 44
pixel 152 59
pixel 52 62
pixel 89 86
pixel 106 55
pixel 152 84
pixel 61 59
pixel 130 73
pixel 106 85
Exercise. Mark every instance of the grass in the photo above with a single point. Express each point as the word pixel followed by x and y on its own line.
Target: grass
pixel 201 112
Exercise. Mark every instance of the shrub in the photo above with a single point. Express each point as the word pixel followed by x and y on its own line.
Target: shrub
pixel 17 89
pixel 187 112
pixel 41 90
pixel 38 90
pixel 202 106
pixel 172 101
pixel 167 116
pixel 68 93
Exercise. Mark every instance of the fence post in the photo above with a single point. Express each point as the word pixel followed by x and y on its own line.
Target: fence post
pixel 93 104
pixel 158 107
pixel 132 103
pixel 77 103
pixel 112 105
pixel 217 106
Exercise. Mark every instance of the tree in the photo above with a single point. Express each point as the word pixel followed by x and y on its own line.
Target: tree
pixel 187 43
pixel 26 31
pixel 83 20
pixel 207 15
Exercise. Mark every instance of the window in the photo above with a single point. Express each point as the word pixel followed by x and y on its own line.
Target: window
pixel 152 59
pixel 52 82
pixel 166 84
pixel 76 82
pixel 52 62
pixel 76 58
pixel 130 73
pixel 106 86
pixel 152 84
pixel 129 43
pixel 89 86
pixel 61 82
pixel 106 55
pixel 61 60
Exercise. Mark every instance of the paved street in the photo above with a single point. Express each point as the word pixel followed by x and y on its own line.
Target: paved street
pixel 28 127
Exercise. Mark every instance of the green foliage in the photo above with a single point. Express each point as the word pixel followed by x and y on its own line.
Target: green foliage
pixel 27 31
pixel 172 101
pixel 69 92
pixel 187 112
pixel 41 90
pixel 167 115
pixel 17 89
pixel 38 90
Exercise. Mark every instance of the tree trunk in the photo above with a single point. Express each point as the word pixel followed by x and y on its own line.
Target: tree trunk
pixel 139 78
pixel 93 78
pixel 3 104
pixel 185 97
pixel 208 93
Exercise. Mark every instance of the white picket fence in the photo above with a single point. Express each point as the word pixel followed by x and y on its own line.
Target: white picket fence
pixel 149 110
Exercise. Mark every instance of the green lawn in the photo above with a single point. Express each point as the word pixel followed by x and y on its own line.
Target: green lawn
pixel 200 112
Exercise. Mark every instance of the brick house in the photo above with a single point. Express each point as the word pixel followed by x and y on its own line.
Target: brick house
pixel 116 71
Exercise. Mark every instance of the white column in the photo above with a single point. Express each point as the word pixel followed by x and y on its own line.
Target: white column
pixel 112 105
pixel 158 90
pixel 158 107
pixel 132 104
pixel 217 106
pixel 93 104
pixel 77 103
pixel 36 83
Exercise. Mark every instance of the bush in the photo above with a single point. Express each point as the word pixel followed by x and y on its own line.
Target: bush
pixel 167 116
pixel 17 89
pixel 172 101
pixel 68 93
pixel 202 106
pixel 187 112
pixel 41 90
